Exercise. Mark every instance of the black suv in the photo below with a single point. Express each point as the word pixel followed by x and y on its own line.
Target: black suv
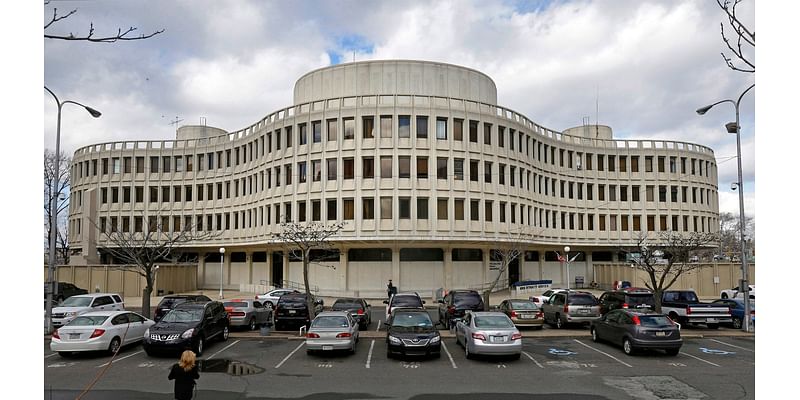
pixel 292 310
pixel 173 300
pixel 456 303
pixel 632 298
pixel 410 332
pixel 188 326
pixel 65 290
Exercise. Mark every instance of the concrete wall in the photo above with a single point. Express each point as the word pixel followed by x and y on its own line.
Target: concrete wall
pixel 370 275
pixel 174 278
pixel 422 277
pixel 468 273
pixel 701 280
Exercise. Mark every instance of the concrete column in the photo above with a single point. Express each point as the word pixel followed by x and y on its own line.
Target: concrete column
pixel 227 267
pixel 396 268
pixel 541 264
pixel 486 258
pixel 286 266
pixel 269 266
pixel 590 266
pixel 343 283
pixel 249 259
pixel 201 270
pixel 448 268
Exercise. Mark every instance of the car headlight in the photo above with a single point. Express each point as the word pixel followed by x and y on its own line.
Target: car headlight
pixel 436 339
pixel 70 313
pixel 187 334
pixel 147 333
pixel 394 340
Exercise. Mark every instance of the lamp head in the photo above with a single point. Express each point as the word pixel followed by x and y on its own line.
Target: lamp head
pixel 703 110
pixel 566 248
pixel 222 250
pixel 731 127
pixel 92 111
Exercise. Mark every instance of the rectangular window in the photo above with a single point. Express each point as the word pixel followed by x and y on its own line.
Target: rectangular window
pixel 441 167
pixel 368 125
pixel 637 223
pixel 673 165
pixel 316 170
pixel 441 128
pixel 661 164
pixel 458 209
pixel 600 163
pixel 386 166
pixel 348 209
pixel 331 211
pixel 368 204
pixel 487 171
pixel 651 223
pixel 139 165
pixel 301 211
pixel 287 172
pixel 115 165
pixel 422 127
pixel 662 193
pixel 386 126
pixel 331 169
pixel 187 189
pixel 316 210
pixel 649 193
pixel 302 134
pixel 349 128
pixel 474 210
pixel 139 194
pixel 178 163
pixel 623 164
pixel 404 207
pixel 331 130
pixel 473 131
pixel 126 165
pixel 165 194
pixel 404 166
pixel 487 133
pixel 635 190
pixel 153 195
pixel 441 209
pixel 422 167
pixel 348 166
pixel 404 126
pixel 473 170
pixel 105 166
pixel 673 194
pixel 502 174
pixel 422 208
pixel 634 163
pixel 458 129
pixel 612 192
pixel 589 191
pixel 611 163
pixel 503 211
pixel 177 194
pixel 648 164
pixel 589 157
pixel 458 169
pixel 126 195
pixel 601 192
pixel 368 166
pixel 189 163
pixel 301 172
pixel 501 136
pixel 487 210
pixel 316 131
pixel 623 193
pixel 386 207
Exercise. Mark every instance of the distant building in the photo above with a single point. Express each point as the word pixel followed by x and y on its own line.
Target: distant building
pixel 427 171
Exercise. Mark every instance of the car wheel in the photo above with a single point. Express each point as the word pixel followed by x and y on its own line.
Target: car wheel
pixel 724 296
pixel 559 324
pixel 467 354
pixel 595 338
pixel 225 333
pixel 352 348
pixel 737 323
pixel 673 316
pixel 269 303
pixel 627 347
pixel 515 356
pixel 64 354
pixel 114 346
pixel 437 355
pixel 148 352
pixel 252 324
pixel 278 326
pixel 673 352
pixel 388 353
pixel 712 326
pixel 198 349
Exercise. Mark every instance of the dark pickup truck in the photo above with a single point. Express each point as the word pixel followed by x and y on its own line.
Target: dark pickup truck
pixel 683 306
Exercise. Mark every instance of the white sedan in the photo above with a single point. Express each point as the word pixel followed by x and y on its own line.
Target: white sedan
pixel 272 296
pixel 735 293
pixel 100 331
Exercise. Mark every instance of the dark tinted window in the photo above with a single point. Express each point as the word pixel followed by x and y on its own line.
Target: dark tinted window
pixel 406 301
pixel 655 320
pixel 467 299
pixel 524 305
pixel 345 305
pixel 640 299
pixel 235 304
pixel 170 302
pixel 582 300
pixel 412 319
pixel 292 299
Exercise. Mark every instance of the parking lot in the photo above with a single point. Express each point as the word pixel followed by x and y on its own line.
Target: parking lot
pixel 568 366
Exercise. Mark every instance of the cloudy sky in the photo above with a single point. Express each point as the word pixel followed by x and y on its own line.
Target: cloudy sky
pixel 647 64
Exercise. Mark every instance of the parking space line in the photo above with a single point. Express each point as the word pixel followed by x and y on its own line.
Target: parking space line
pixel 378 329
pixel 532 359
pixel 290 354
pixel 698 358
pixel 50 355
pixel 120 359
pixel 728 344
pixel 604 353
pixel 369 356
pixel 449 356
pixel 226 348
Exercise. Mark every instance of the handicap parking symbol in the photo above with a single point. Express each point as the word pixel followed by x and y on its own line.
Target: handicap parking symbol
pixel 559 352
pixel 714 351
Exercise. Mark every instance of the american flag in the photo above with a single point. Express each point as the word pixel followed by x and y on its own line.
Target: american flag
pixel 561 258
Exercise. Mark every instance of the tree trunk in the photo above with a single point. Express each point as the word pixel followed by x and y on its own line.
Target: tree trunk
pixel 309 299
pixel 148 289
pixel 657 294
pixel 486 295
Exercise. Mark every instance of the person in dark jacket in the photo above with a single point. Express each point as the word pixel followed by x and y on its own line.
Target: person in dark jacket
pixel 184 373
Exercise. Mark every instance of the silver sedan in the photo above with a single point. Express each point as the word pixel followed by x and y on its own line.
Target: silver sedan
pixel 100 331
pixel 489 333
pixel 247 313
pixel 332 330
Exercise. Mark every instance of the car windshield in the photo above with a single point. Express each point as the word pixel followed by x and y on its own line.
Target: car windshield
pixel 467 300
pixel 641 299
pixel 524 305
pixel 170 302
pixel 88 321
pixel 407 301
pixel 345 305
pixel 76 301
pixel 330 322
pixel 235 304
pixel 582 300
pixel 493 321
pixel 654 320
pixel 189 315
pixel 411 320
pixel 293 299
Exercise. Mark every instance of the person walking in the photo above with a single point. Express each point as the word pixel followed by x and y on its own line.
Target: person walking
pixel 391 289
pixel 184 373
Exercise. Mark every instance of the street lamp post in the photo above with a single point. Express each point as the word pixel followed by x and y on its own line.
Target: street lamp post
pixel 221 260
pixel 733 127
pixel 566 260
pixel 52 287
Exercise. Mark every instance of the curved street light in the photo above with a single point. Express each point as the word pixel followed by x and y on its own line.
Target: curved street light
pixel 733 127
pixel 54 209
pixel 221 260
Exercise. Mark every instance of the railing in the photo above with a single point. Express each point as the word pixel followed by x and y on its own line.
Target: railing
pixel 289 285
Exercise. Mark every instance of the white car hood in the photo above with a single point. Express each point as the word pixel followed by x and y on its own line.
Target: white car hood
pixel 70 309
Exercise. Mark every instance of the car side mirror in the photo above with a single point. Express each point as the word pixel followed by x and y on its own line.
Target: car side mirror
pixel 368 305
pixel 440 301
pixel 423 301
pixel 386 302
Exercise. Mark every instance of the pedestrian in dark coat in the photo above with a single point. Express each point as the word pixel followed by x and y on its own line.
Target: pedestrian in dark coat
pixel 184 373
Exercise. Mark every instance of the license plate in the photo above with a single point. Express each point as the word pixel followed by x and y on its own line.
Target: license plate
pixel 584 311
pixel 661 333
pixel 74 335
pixel 711 320
pixel 524 316
pixel 292 312
pixel 495 339
pixel 327 348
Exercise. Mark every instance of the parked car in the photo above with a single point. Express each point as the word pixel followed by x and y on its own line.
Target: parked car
pixel 405 300
pixel 410 332
pixel 456 303
pixel 292 311
pixel 736 308
pixel 694 259
pixel 569 307
pixel 523 313
pixel 248 313
pixel 635 330
pixel 65 290
pixel 735 293
pixel 100 331
pixel 188 326
pixel 271 298
pixel 83 303
pixel 332 330
pixel 359 309
pixel 171 301
pixel 683 306
pixel 634 298
pixel 488 333
pixel 544 297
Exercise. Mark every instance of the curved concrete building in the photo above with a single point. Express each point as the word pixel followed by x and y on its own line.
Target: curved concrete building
pixel 425 169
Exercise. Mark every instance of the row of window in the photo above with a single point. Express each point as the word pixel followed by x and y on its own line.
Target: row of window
pixel 263 145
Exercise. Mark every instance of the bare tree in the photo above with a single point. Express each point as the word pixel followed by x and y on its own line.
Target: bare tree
pixel 301 239
pixel 506 253
pixel 745 46
pixel 62 191
pixel 665 257
pixel 62 248
pixel 729 241
pixel 89 36
pixel 139 252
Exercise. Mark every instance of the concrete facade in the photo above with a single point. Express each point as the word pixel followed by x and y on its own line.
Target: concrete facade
pixel 426 170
